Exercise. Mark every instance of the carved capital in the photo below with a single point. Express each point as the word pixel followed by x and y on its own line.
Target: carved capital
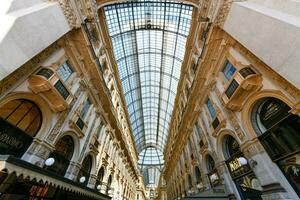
pixel 251 148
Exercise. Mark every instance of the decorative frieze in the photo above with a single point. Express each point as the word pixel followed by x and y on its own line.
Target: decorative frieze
pixel 69 13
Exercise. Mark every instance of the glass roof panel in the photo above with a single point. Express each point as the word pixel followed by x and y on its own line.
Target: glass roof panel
pixel 149 39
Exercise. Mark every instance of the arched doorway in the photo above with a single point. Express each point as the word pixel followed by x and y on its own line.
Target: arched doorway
pixel 279 132
pixel 62 155
pixel 85 170
pixel 240 170
pixel 100 177
pixel 213 174
pixel 20 121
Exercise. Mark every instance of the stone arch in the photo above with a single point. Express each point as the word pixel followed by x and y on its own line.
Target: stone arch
pixel 109 2
pixel 94 160
pixel 46 113
pixel 204 160
pixel 76 141
pixel 220 142
pixel 251 102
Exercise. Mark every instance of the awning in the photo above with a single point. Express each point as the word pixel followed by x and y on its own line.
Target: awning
pixel 30 172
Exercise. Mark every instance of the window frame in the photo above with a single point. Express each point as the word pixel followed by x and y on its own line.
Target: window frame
pixel 225 72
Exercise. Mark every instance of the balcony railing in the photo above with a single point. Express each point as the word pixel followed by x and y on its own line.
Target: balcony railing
pixel 247 71
pixel 47 73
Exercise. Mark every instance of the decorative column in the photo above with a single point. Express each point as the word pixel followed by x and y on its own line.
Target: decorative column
pixel 73 170
pixel 38 152
pixel 226 179
pixel 268 174
pixel 92 181
pixel 104 180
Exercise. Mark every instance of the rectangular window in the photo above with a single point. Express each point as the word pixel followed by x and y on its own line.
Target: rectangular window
pixel 65 71
pixel 85 108
pixel 231 88
pixel 228 70
pixel 80 123
pixel 211 109
pixel 215 123
pixel 198 129
pixel 61 89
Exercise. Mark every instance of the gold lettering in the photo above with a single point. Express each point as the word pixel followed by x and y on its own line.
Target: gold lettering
pixel 13 142
pixel 234 165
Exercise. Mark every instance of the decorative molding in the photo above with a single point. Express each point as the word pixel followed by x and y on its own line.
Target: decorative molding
pixel 68 12
pixel 223 12
pixel 21 74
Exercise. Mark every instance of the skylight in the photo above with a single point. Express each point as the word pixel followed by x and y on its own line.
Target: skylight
pixel 149 39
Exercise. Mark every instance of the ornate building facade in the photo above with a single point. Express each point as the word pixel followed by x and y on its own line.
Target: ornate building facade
pixel 136 100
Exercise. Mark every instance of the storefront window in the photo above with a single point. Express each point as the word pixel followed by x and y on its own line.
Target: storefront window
pixel 279 133
pixel 240 171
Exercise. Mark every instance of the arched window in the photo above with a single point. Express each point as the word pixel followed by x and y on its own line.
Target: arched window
pixel 100 177
pixel 62 155
pixel 279 132
pixel 20 120
pixel 85 170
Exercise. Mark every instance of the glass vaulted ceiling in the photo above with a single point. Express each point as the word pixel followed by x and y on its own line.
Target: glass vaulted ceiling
pixel 149 39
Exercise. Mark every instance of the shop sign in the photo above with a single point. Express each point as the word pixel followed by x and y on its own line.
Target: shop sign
pixel 13 141
pixel 234 164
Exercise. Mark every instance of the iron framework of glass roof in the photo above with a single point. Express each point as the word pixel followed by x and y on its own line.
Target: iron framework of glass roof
pixel 149 39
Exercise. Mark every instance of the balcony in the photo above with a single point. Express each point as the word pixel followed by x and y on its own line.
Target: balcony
pixel 77 123
pixel 47 83
pixel 240 86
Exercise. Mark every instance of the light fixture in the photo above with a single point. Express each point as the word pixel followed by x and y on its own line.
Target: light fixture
pixel 243 161
pixel 49 162
pixel 82 179
pixel 213 177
